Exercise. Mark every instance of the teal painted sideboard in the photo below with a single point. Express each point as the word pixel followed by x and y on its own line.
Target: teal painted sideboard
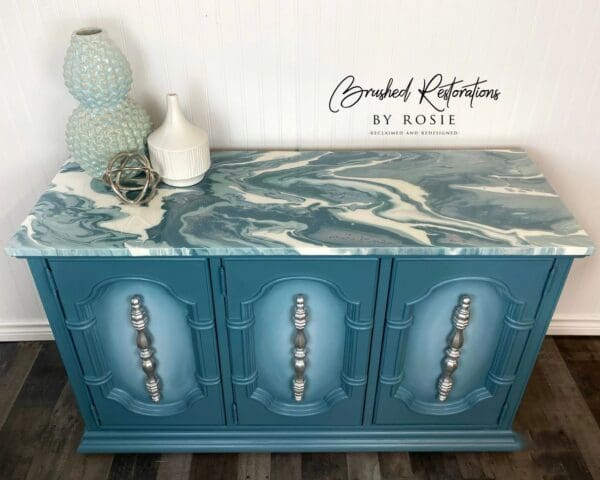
pixel 305 301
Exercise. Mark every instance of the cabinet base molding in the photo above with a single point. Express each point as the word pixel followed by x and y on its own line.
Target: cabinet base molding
pixel 317 440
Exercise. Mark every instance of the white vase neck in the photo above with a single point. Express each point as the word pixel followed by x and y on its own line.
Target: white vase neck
pixel 174 114
pixel 177 133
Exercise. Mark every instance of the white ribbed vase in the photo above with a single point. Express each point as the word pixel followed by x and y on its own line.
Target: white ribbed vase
pixel 179 149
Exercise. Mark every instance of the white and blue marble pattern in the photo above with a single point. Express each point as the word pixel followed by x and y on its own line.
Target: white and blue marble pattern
pixel 446 202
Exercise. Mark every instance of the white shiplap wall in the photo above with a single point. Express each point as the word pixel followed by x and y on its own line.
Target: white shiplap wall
pixel 259 74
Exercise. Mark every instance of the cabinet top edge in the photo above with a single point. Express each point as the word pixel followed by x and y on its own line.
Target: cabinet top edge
pixel 572 252
pixel 491 202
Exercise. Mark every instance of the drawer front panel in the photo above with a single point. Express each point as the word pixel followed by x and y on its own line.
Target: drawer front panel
pixel 443 365
pixel 176 335
pixel 262 302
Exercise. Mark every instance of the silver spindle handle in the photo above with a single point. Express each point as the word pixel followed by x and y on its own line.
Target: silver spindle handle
pixel 300 318
pixel 462 315
pixel 139 320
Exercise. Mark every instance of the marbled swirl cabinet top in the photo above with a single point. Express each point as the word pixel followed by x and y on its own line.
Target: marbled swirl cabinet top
pixel 447 202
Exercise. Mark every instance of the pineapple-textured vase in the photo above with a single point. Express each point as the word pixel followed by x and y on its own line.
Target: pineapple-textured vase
pixel 179 150
pixel 106 122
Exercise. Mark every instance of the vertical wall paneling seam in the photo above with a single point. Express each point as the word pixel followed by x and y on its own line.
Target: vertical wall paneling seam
pixel 223 71
pixel 543 68
pixel 26 58
pixel 165 63
pixel 204 70
pixel 242 68
pixel 10 68
pixel 357 21
pixel 316 141
pixel 279 76
pixel 298 136
pixel 336 36
pixel 186 70
pixel 564 71
pixel 520 88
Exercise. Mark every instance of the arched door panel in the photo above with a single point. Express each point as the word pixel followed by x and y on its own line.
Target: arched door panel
pixel 454 335
pixel 145 338
pixel 334 338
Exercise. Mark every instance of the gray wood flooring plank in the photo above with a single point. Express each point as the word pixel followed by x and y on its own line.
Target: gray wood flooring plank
pixel 16 360
pixel 134 467
pixel 324 466
pixel 174 466
pixel 500 464
pixel 215 466
pixel 568 411
pixel 395 465
pixel 471 467
pixel 286 466
pixel 87 467
pixel 582 356
pixel 435 466
pixel 57 457
pixel 58 439
pixel 254 466
pixel 363 466
pixel 21 434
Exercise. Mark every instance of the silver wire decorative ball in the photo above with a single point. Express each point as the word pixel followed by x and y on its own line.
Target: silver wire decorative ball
pixel 131 176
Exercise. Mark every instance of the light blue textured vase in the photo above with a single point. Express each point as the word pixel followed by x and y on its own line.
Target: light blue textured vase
pixel 106 122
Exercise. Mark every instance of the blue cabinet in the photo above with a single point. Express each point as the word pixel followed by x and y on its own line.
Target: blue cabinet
pixel 501 298
pixel 299 353
pixel 179 332
pixel 338 297
pixel 305 300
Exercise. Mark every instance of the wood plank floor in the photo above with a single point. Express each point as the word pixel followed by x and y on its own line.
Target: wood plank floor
pixel 560 417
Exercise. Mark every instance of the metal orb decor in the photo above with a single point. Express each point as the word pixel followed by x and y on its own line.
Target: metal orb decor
pixel 131 176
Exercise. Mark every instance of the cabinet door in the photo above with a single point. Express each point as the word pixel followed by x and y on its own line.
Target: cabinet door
pixel 263 313
pixel 464 321
pixel 178 326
